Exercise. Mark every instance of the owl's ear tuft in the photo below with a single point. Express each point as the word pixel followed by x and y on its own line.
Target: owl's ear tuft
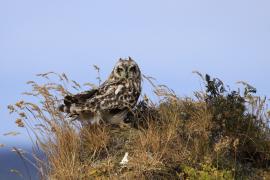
pixel 121 59
pixel 129 58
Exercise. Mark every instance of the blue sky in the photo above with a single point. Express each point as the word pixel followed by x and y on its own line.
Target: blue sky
pixel 169 39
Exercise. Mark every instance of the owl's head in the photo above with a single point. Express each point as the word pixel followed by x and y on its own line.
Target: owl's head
pixel 126 69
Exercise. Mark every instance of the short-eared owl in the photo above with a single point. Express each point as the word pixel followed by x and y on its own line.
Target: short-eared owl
pixel 112 100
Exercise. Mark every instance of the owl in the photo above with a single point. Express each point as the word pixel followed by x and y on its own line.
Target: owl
pixel 112 100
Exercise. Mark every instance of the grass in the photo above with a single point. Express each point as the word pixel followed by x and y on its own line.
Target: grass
pixel 217 134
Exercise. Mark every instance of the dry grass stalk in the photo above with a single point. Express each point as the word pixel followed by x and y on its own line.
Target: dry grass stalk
pixel 177 136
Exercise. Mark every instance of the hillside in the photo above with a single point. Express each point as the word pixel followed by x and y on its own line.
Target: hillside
pixel 217 134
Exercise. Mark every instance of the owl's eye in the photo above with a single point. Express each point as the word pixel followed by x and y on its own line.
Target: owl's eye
pixel 119 70
pixel 132 69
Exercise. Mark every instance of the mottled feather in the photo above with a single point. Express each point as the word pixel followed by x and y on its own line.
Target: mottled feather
pixel 112 100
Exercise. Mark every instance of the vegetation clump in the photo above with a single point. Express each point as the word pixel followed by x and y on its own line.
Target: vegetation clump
pixel 217 134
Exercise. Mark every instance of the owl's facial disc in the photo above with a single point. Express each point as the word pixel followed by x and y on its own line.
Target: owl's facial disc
pixel 120 72
pixel 133 72
pixel 126 69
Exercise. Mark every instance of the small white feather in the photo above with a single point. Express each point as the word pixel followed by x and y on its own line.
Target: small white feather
pixel 119 88
pixel 125 159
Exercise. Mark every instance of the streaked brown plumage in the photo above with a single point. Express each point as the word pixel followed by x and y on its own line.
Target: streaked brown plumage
pixel 112 100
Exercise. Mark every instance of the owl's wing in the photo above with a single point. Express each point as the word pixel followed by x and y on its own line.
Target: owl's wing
pixel 77 99
pixel 81 97
pixel 110 97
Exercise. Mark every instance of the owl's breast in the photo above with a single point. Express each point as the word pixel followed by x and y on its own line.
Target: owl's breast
pixel 130 93
pixel 118 96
